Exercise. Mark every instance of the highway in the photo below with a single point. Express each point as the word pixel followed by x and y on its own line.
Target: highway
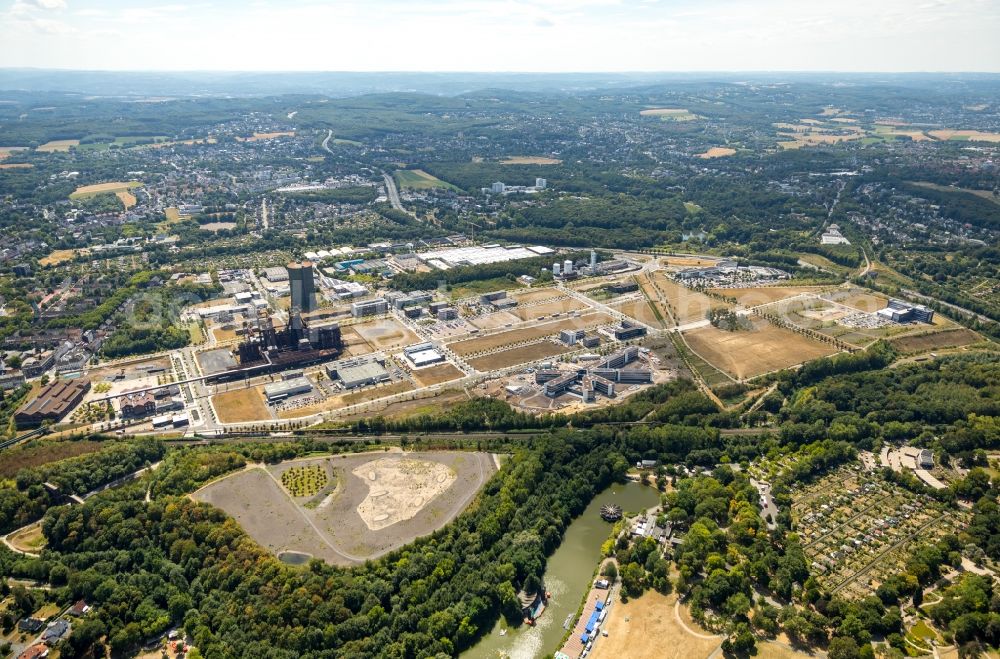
pixel 390 189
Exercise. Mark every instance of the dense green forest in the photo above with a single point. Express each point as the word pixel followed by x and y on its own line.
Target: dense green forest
pixel 147 566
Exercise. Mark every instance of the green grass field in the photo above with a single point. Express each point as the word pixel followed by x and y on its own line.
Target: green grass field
pixel 418 179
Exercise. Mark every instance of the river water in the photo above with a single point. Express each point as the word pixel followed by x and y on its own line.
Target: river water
pixel 567 578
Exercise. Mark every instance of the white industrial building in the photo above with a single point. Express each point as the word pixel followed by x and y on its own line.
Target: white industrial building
pixel 278 391
pixel 423 354
pixel 479 255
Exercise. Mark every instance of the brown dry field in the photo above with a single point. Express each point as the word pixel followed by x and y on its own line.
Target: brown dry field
pixel 344 400
pixel 495 320
pixel 652 632
pixel 515 356
pixel 751 297
pixel 223 335
pixel 688 305
pixel 58 256
pixel 688 261
pixel 947 339
pixel 530 160
pixel 100 188
pixel 240 406
pixel 750 353
pixel 534 311
pixel 385 334
pixel 493 341
pixel 427 405
pixel 970 135
pixel 537 295
pixel 270 136
pixel 6 151
pixel 867 302
pixel 126 198
pixel 16 165
pixel 640 310
pixel 425 377
pixel 680 114
pixel 717 152
pixel 57 145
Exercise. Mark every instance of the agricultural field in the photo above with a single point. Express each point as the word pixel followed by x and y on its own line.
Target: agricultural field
pixel 87 191
pixel 257 137
pixel 717 152
pixel 965 135
pixel 57 145
pixel 670 114
pixel 747 354
pixel 530 160
pixel 437 374
pixel 512 337
pixel 385 334
pixel 418 179
pixel 382 501
pixel 16 165
pixel 240 406
pixel 857 528
pixel 984 194
pixel 519 355
pixel 8 151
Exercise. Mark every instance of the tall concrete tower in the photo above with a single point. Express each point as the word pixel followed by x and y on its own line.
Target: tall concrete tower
pixel 303 288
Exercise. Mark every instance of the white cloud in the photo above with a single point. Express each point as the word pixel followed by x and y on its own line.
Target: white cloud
pixel 47 5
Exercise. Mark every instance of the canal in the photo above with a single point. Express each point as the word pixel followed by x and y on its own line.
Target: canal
pixel 567 577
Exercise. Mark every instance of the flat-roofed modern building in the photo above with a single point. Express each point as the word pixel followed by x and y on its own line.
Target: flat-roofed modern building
pixel 278 391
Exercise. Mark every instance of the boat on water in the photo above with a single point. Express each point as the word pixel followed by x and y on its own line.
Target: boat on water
pixel 568 622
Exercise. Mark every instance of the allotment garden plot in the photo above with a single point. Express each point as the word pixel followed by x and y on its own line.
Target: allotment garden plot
pixel 346 509
pixel 857 529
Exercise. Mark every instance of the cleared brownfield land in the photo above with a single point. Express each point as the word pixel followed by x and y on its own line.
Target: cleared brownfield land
pixel 534 311
pixel 515 356
pixel 641 311
pixel 751 297
pixel 765 348
pixel 385 334
pixel 686 305
pixel 511 337
pixel 425 377
pixel 240 406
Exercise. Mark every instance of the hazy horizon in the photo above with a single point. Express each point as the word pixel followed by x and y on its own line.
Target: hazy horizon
pixel 505 36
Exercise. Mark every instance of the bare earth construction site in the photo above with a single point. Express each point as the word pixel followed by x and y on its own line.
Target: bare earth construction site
pixel 371 504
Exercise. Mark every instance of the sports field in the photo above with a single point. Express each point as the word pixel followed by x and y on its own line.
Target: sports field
pixel 747 354
pixel 418 179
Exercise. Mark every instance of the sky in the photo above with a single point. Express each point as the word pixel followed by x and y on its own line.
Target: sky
pixel 503 35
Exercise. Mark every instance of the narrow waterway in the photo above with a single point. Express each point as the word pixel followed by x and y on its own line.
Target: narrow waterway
pixel 567 577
